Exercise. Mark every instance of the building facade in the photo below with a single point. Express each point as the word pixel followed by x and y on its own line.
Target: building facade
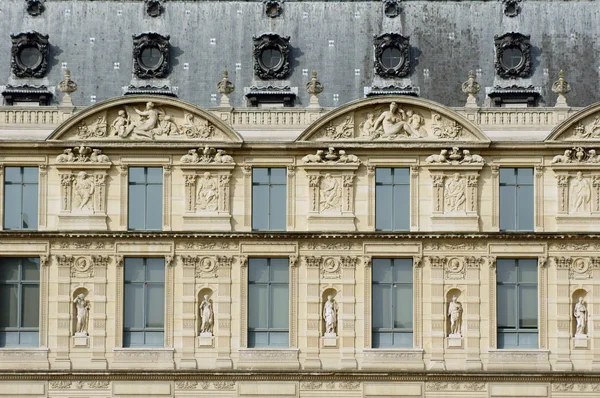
pixel 382 232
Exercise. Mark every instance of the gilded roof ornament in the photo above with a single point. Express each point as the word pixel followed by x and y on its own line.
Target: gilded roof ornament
pixel 471 87
pixel 561 87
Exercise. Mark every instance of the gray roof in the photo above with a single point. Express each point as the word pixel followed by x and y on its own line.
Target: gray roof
pixel 447 39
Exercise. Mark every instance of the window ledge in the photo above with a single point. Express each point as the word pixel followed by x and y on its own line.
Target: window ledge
pixel 269 358
pixel 146 358
pixel 515 359
pixel 393 358
pixel 24 358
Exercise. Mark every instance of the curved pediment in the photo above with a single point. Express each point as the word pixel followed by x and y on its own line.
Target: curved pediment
pixel 583 126
pixel 145 118
pixel 394 119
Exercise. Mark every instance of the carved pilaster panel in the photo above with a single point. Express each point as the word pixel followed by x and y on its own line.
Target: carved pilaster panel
pixel 247 170
pixel 495 196
pixel 539 198
pixel 414 197
pixel 166 197
pixel 371 199
pixel 123 188
pixel 291 196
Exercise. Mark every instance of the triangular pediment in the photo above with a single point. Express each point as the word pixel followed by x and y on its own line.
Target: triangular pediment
pixel 147 119
pixel 583 126
pixel 394 119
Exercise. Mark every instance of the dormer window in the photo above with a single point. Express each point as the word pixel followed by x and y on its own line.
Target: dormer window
pixel 391 55
pixel 513 55
pixel 271 56
pixel 30 54
pixel 151 55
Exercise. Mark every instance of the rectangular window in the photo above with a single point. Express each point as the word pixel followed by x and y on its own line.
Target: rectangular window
pixel 392 298
pixel 516 199
pixel 517 303
pixel 392 199
pixel 268 302
pixel 268 199
pixel 145 198
pixel 144 303
pixel 20 198
pixel 20 300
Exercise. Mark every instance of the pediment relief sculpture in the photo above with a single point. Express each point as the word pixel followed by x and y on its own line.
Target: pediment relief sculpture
pixel 207 155
pixel 576 155
pixel 82 154
pixel 331 156
pixel 455 156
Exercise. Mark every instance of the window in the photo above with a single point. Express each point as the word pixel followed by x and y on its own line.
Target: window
pixel 20 300
pixel 144 304
pixel 516 199
pixel 392 199
pixel 268 302
pixel 20 198
pixel 145 198
pixel 517 303
pixel 392 306
pixel 268 199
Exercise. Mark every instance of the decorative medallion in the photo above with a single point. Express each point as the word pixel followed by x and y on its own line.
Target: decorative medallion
pixel 29 54
pixel 271 56
pixel 511 8
pixel 154 8
pixel 391 8
pixel 513 55
pixel 34 7
pixel 392 55
pixel 151 55
pixel 273 8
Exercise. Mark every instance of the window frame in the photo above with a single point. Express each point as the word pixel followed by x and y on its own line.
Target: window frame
pixel 270 183
pixel 145 184
pixel 517 185
pixel 21 183
pixel 395 202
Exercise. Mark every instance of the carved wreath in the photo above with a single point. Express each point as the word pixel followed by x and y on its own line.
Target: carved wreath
pixel 392 40
pixel 513 41
pixel 21 41
pixel 273 41
pixel 149 40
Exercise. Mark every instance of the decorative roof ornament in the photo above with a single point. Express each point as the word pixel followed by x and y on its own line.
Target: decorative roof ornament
pixel 314 88
pixel 471 87
pixel 391 8
pixel 511 8
pixel 67 87
pixel 273 8
pixel 154 8
pixel 225 87
pixel 34 7
pixel 561 87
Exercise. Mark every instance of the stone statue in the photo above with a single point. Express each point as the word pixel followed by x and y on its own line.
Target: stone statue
pixel 454 193
pixel 222 157
pixel 207 193
pixel 83 312
pixel 120 124
pixel 468 157
pixel 393 123
pixel 207 315
pixel 566 158
pixel 367 129
pixel 330 316
pixel 83 190
pixel 191 157
pixel 316 158
pixel 330 193
pixel 455 311
pixel 66 157
pixel 347 158
pixel 580 314
pixel 441 158
pixel 581 192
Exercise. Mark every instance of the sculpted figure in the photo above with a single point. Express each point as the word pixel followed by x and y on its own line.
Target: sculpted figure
pixel 415 121
pixel 468 158
pixel 592 157
pixel 368 126
pixel 455 311
pixel 566 158
pixel 454 192
pixel 222 157
pixel 147 124
pixel 393 123
pixel 207 315
pixel 344 158
pixel 168 127
pixel 191 157
pixel 314 158
pixel 441 158
pixel 580 314
pixel 98 156
pixel 83 311
pixel 120 124
pixel 330 315
pixel 207 193
pixel 330 193
pixel 83 190
pixel 581 192
pixel 66 157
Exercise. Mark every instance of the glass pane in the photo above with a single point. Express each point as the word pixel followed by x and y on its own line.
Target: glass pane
pixel 30 206
pixel 154 175
pixel 12 206
pixel 383 176
pixel 403 340
pixel 12 174
pixel 528 307
pixel 137 175
pixel 30 269
pixel 137 207
pixel 155 305
pixel 525 176
pixel 278 176
pixel 9 300
pixel 258 339
pixel 402 176
pixel 525 210
pixel 402 271
pixel 382 270
pixel 403 307
pixel 507 340
pixel 506 307
pixel 133 339
pixel 401 207
pixel 528 340
pixel 258 306
pixel 30 175
pixel 9 269
pixel 29 339
pixel 133 306
pixel 279 339
pixel 280 270
pixel 260 207
pixel 277 207
pixel 155 339
pixel 508 208
pixel 260 175
pixel 528 270
pixel 9 339
pixel 30 313
pixel 507 176
pixel 258 270
pixel 134 269
pixel 154 204
pixel 382 303
pixel 506 270
pixel 155 270
pixel 381 340
pixel 383 207
pixel 279 307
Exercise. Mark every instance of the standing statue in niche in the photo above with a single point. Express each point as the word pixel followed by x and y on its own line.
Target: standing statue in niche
pixel 455 311
pixel 207 194
pixel 330 316
pixel 330 193
pixel 581 192
pixel 83 315
pixel 207 315
pixel 454 192
pixel 84 190
pixel 580 314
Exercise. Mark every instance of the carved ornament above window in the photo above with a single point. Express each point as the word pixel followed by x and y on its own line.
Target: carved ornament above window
pixel 34 7
pixel 511 8
pixel 271 56
pixel 151 55
pixel 513 55
pixel 29 54
pixel 154 8
pixel 392 55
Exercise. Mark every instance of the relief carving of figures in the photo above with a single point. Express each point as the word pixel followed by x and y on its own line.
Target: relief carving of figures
pixel 83 191
pixel 577 155
pixel 209 155
pixel 207 193
pixel 195 129
pixel 83 311
pixel 330 310
pixel 580 313
pixel 455 156
pixel 445 130
pixel 331 156
pixel 82 154
pixel 207 315
pixel 590 131
pixel 97 128
pixel 455 311
pixel 581 193
pixel 454 194
pixel 396 123
pixel 331 193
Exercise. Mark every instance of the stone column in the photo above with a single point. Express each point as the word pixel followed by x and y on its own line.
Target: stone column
pixel 100 193
pixel 43 196
pixel 436 314
pixel 190 192
pixel 312 339
pixel 472 313
pixel 187 309
pixel 563 314
pixel 124 187
pixel 166 197
pixel 66 187
pixel 347 312
pixel 63 310
pixel 97 323
pixel 223 313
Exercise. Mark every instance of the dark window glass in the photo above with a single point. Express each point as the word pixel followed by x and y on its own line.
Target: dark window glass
pixel 512 58
pixel 392 199
pixel 269 199
pixel 392 58
pixel 20 198
pixel 516 199
pixel 151 57
pixel 270 58
pixel 30 57
pixel 145 198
